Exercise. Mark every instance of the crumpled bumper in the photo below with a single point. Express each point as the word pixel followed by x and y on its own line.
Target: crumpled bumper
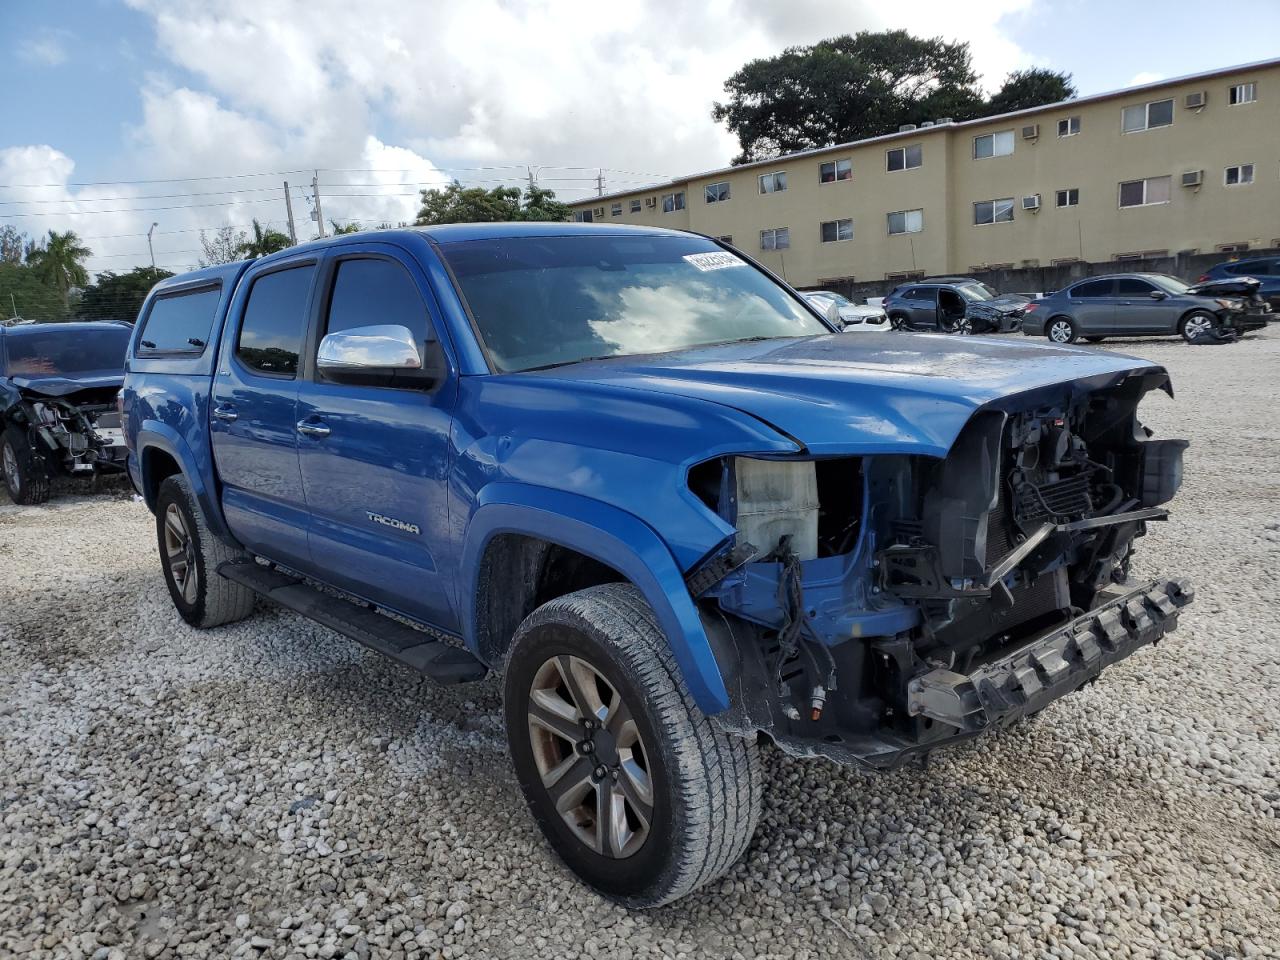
pixel 1036 674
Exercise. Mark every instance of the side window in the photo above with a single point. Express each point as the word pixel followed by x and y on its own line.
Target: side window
pixel 274 318
pixel 371 292
pixel 1093 288
pixel 1133 287
pixel 180 322
pixel 925 294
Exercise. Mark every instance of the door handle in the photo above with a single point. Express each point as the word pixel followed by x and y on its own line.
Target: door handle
pixel 313 428
pixel 225 411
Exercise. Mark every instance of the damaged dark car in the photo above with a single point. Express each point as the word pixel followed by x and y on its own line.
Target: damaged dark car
pixel 58 415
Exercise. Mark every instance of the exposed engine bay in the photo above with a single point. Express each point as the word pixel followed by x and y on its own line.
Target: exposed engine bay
pixel 72 434
pixel 871 609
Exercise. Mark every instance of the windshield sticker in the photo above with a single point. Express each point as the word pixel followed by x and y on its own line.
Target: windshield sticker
pixel 714 261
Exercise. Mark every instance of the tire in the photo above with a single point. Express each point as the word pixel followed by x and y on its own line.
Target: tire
pixel 704 784
pixel 1095 339
pixel 1197 324
pixel 187 548
pixel 897 321
pixel 25 475
pixel 1061 330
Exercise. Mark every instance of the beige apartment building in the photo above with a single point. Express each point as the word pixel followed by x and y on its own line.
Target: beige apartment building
pixel 1175 166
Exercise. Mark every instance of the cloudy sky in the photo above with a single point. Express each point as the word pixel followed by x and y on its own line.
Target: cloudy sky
pixel 190 114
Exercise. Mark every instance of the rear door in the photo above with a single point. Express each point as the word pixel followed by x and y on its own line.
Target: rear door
pixel 375 459
pixel 1092 305
pixel 1138 312
pixel 252 417
pixel 923 306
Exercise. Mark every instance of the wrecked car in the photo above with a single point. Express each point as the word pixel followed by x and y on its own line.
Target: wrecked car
pixel 954 305
pixel 58 416
pixel 682 514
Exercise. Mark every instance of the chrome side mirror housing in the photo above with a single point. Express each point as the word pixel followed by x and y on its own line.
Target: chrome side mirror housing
pixel 376 349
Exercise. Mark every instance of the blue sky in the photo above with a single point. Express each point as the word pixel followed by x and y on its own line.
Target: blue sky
pixel 387 96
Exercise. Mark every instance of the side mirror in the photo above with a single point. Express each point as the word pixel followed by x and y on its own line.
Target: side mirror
pixel 382 355
pixel 1158 294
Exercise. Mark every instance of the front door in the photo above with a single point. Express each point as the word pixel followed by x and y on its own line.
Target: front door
pixel 375 460
pixel 1137 311
pixel 252 414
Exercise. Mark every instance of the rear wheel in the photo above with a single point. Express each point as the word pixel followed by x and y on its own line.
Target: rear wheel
pixel 897 321
pixel 641 795
pixel 1198 324
pixel 25 474
pixel 1061 330
pixel 190 556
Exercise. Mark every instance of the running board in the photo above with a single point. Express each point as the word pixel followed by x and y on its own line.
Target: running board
pixel 434 658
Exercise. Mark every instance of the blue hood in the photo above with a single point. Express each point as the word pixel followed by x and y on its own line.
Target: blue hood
pixel 874 393
pixel 55 386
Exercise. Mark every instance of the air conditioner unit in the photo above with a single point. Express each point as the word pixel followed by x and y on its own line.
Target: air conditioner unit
pixel 1195 101
pixel 925 123
pixel 1031 131
pixel 651 201
pixel 906 127
pixel 946 120
pixel 1193 178
pixel 1032 202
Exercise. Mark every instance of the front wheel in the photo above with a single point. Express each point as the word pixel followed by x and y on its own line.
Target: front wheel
pixel 25 474
pixel 641 795
pixel 190 556
pixel 1198 325
pixel 1061 330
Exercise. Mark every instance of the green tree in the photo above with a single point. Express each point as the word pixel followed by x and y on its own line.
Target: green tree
pixel 459 204
pixel 24 293
pixel 223 246
pixel 338 229
pixel 846 88
pixel 13 244
pixel 58 261
pixel 1034 87
pixel 118 296
pixel 264 241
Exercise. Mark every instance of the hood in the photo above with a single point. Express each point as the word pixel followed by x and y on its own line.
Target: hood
pixel 1236 286
pixel 58 386
pixel 860 312
pixel 876 393
pixel 1005 303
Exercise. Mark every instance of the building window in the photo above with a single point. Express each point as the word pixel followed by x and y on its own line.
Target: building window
pixel 834 231
pixel 993 145
pixel 635 206
pixel 1069 197
pixel 1144 116
pixel 716 192
pixel 833 170
pixel 1243 93
pixel 777 238
pixel 727 238
pixel 904 158
pixel 1144 193
pixel 906 221
pixel 1068 127
pixel 583 216
pixel 993 211
pixel 1232 247
pixel 773 182
pixel 615 210
pixel 671 202
pixel 1238 175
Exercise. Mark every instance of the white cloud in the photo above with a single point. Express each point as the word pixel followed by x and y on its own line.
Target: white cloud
pixel 1146 76
pixel 47 48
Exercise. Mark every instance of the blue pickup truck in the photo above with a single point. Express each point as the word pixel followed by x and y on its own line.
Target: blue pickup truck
pixel 637 475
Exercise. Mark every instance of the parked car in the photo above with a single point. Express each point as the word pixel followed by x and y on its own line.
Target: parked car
pixel 58 416
pixel 844 313
pixel 1264 269
pixel 1139 304
pixel 954 305
pixel 638 476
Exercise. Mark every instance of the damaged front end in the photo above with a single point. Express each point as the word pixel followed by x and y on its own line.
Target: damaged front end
pixel 75 433
pixel 874 608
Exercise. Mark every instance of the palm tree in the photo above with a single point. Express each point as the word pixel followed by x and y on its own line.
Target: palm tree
pixel 57 261
pixel 264 241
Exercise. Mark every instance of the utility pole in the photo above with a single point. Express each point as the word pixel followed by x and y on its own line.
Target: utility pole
pixel 151 248
pixel 288 206
pixel 599 183
pixel 318 213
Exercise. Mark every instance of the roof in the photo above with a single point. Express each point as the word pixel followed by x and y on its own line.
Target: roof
pixel 76 326
pixel 1134 91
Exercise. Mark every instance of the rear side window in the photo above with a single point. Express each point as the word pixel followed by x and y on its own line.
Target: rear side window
pixel 926 294
pixel 274 319
pixel 1252 268
pixel 372 292
pixel 180 322
pixel 1094 288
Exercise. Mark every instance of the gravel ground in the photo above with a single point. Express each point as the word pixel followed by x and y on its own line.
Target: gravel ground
pixel 270 789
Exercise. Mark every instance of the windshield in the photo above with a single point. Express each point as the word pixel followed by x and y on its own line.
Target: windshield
pixel 545 301
pixel 835 298
pixel 67 353
pixel 977 291
pixel 1168 284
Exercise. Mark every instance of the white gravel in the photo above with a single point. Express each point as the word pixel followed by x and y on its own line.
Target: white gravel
pixel 270 789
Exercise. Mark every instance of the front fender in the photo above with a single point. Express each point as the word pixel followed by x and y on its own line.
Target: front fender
pixel 157 435
pixel 613 537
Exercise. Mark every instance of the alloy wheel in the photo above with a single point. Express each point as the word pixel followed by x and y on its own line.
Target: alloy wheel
pixel 1060 331
pixel 179 551
pixel 1197 326
pixel 592 760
